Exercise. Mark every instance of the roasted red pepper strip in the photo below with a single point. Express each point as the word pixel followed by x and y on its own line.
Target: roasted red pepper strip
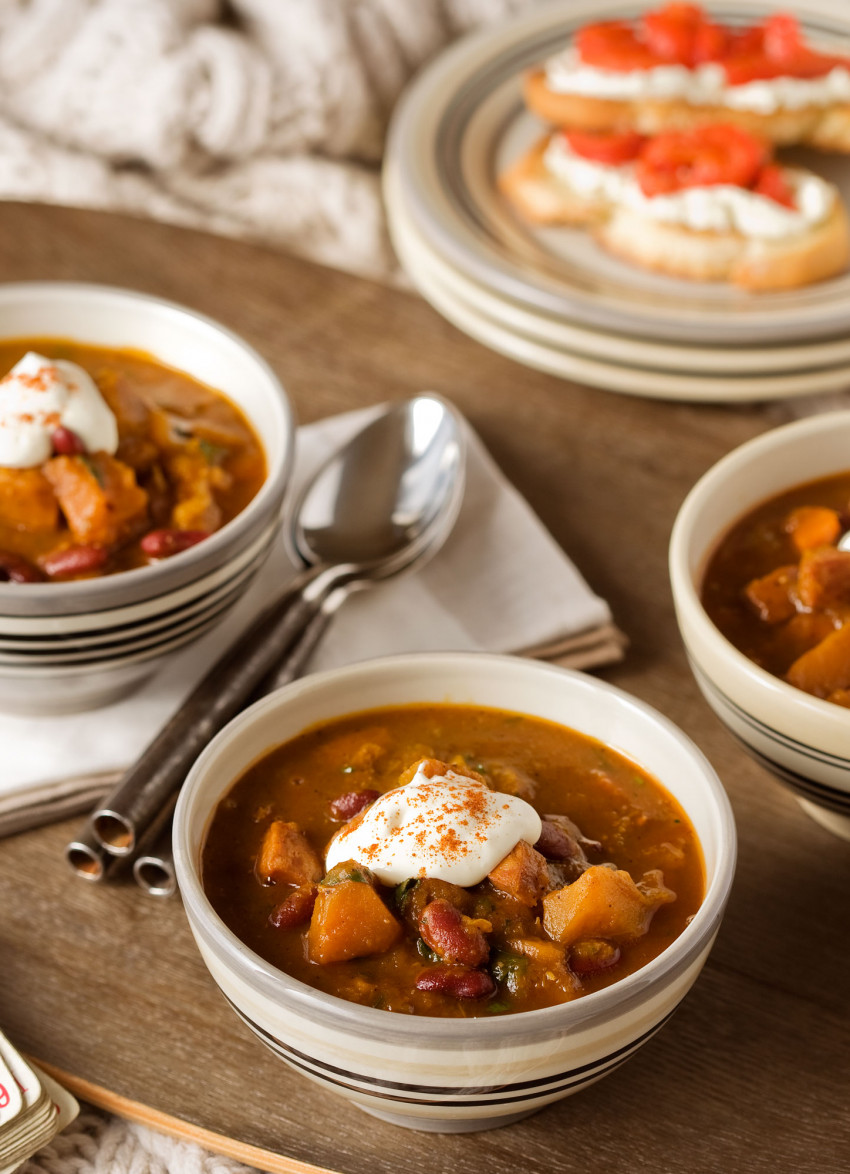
pixel 605 148
pixel 683 34
pixel 706 155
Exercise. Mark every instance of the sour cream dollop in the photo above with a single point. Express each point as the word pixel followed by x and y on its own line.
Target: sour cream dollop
pixel 40 395
pixel 448 827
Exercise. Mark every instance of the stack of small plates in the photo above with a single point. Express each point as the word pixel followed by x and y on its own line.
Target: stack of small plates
pixel 551 298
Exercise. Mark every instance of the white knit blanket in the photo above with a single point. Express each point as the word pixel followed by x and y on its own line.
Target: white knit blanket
pixel 265 121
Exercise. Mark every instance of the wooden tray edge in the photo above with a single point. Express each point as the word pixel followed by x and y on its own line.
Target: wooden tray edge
pixel 134 1111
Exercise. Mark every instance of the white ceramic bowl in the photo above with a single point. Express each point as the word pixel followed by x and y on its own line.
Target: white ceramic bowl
pixel 72 646
pixel 453 1075
pixel 804 741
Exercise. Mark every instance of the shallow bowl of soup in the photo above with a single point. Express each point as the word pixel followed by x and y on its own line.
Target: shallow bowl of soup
pixel 453 888
pixel 144 455
pixel 762 594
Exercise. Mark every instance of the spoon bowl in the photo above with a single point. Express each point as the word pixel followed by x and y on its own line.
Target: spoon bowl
pixel 389 497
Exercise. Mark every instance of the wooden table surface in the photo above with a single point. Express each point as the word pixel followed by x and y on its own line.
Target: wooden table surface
pixel 753 1072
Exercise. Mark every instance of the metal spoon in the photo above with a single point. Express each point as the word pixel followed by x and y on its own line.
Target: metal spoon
pixel 382 505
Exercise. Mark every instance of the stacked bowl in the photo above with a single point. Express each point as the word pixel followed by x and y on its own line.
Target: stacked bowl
pixel 802 739
pixel 73 646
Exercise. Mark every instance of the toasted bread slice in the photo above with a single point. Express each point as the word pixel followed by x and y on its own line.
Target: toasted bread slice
pixel 749 262
pixel 542 198
pixel 824 127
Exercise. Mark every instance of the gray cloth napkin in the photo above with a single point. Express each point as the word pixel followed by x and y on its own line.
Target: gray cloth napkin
pixel 500 584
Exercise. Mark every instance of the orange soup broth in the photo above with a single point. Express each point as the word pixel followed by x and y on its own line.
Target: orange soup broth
pixel 211 415
pixel 610 798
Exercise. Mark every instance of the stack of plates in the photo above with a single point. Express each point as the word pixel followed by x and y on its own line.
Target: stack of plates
pixel 551 298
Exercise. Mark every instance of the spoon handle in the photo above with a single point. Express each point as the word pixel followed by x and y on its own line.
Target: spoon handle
pixel 292 663
pixel 295 620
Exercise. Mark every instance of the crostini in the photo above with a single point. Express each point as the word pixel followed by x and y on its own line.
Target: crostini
pixel 676 68
pixel 707 204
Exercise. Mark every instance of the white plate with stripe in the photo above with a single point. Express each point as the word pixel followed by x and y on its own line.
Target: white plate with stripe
pixel 610 347
pixel 463 119
pixel 569 364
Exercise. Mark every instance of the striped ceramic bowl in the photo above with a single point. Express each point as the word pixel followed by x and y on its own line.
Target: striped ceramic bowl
pixel 455 1075
pixel 73 646
pixel 803 741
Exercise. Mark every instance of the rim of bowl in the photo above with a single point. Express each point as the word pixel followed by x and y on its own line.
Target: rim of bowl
pixel 583 1012
pixel 274 484
pixel 684 584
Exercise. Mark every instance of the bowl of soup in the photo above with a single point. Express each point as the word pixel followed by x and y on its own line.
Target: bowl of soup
pixel 144 455
pixel 453 888
pixel 761 586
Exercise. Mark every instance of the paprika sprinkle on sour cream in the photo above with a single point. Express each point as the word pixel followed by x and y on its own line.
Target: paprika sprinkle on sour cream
pixel 39 397
pixel 448 826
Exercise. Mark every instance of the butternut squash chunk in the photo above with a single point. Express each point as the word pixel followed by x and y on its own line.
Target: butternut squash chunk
pixel 542 965
pixel 773 596
pixel 434 766
pixel 823 580
pixel 802 632
pixel 99 497
pixel 604 903
pixel 193 479
pixel 350 921
pixel 287 857
pixel 824 669
pixel 521 874
pixel 27 501
pixel 813 525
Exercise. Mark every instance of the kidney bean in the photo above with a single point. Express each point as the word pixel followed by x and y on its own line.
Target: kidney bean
pixel 73 560
pixel 592 956
pixel 459 984
pixel 562 841
pixel 346 806
pixel 296 909
pixel 65 442
pixel 554 843
pixel 164 543
pixel 444 929
pixel 14 569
